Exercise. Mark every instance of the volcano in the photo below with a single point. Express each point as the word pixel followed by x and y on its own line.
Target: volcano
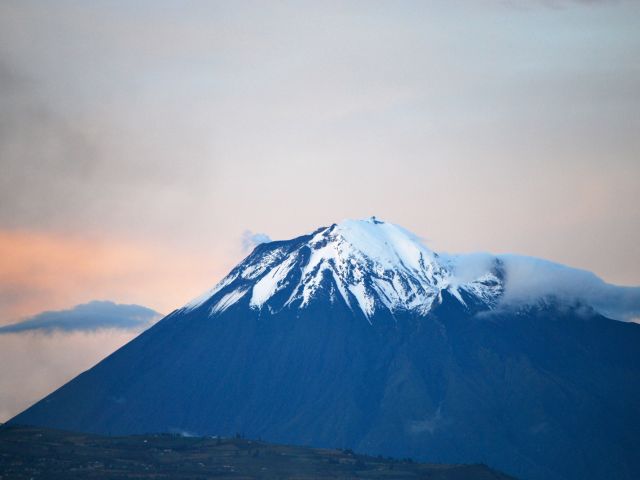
pixel 359 336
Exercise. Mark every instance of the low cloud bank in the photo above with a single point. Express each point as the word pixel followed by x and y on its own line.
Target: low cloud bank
pixel 88 317
pixel 529 279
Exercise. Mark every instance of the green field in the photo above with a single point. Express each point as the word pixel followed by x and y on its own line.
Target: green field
pixel 28 452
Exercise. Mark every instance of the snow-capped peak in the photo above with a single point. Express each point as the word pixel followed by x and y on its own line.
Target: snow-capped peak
pixel 368 264
pixel 388 245
pixel 374 263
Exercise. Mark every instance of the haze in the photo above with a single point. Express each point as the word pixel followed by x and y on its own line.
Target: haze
pixel 142 143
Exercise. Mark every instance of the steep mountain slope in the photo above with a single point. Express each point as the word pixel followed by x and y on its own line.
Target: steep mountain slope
pixel 359 336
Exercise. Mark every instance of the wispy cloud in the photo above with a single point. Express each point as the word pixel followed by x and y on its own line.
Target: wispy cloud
pixel 157 114
pixel 250 240
pixel 92 316
pixel 530 278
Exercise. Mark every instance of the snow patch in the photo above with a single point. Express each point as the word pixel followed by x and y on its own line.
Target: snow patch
pixel 273 281
pixel 229 299
pixel 201 299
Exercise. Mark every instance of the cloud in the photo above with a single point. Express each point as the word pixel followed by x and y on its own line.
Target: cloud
pixel 63 168
pixel 529 279
pixel 48 162
pixel 75 340
pixel 251 240
pixel 402 112
pixel 92 316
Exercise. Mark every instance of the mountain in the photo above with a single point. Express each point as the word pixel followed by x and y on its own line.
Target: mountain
pixel 358 336
pixel 369 266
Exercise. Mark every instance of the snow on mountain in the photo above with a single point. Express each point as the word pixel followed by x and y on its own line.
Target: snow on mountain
pixel 298 344
pixel 368 264
pixel 373 265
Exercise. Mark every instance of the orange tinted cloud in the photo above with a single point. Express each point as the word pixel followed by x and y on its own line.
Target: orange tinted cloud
pixel 42 271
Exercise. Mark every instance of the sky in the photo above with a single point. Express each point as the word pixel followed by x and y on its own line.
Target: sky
pixel 144 144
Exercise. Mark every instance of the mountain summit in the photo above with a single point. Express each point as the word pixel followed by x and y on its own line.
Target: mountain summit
pixel 373 267
pixel 368 264
pixel 359 336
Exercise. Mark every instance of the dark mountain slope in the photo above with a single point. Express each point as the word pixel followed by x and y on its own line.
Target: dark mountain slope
pixel 546 394
pixel 299 346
